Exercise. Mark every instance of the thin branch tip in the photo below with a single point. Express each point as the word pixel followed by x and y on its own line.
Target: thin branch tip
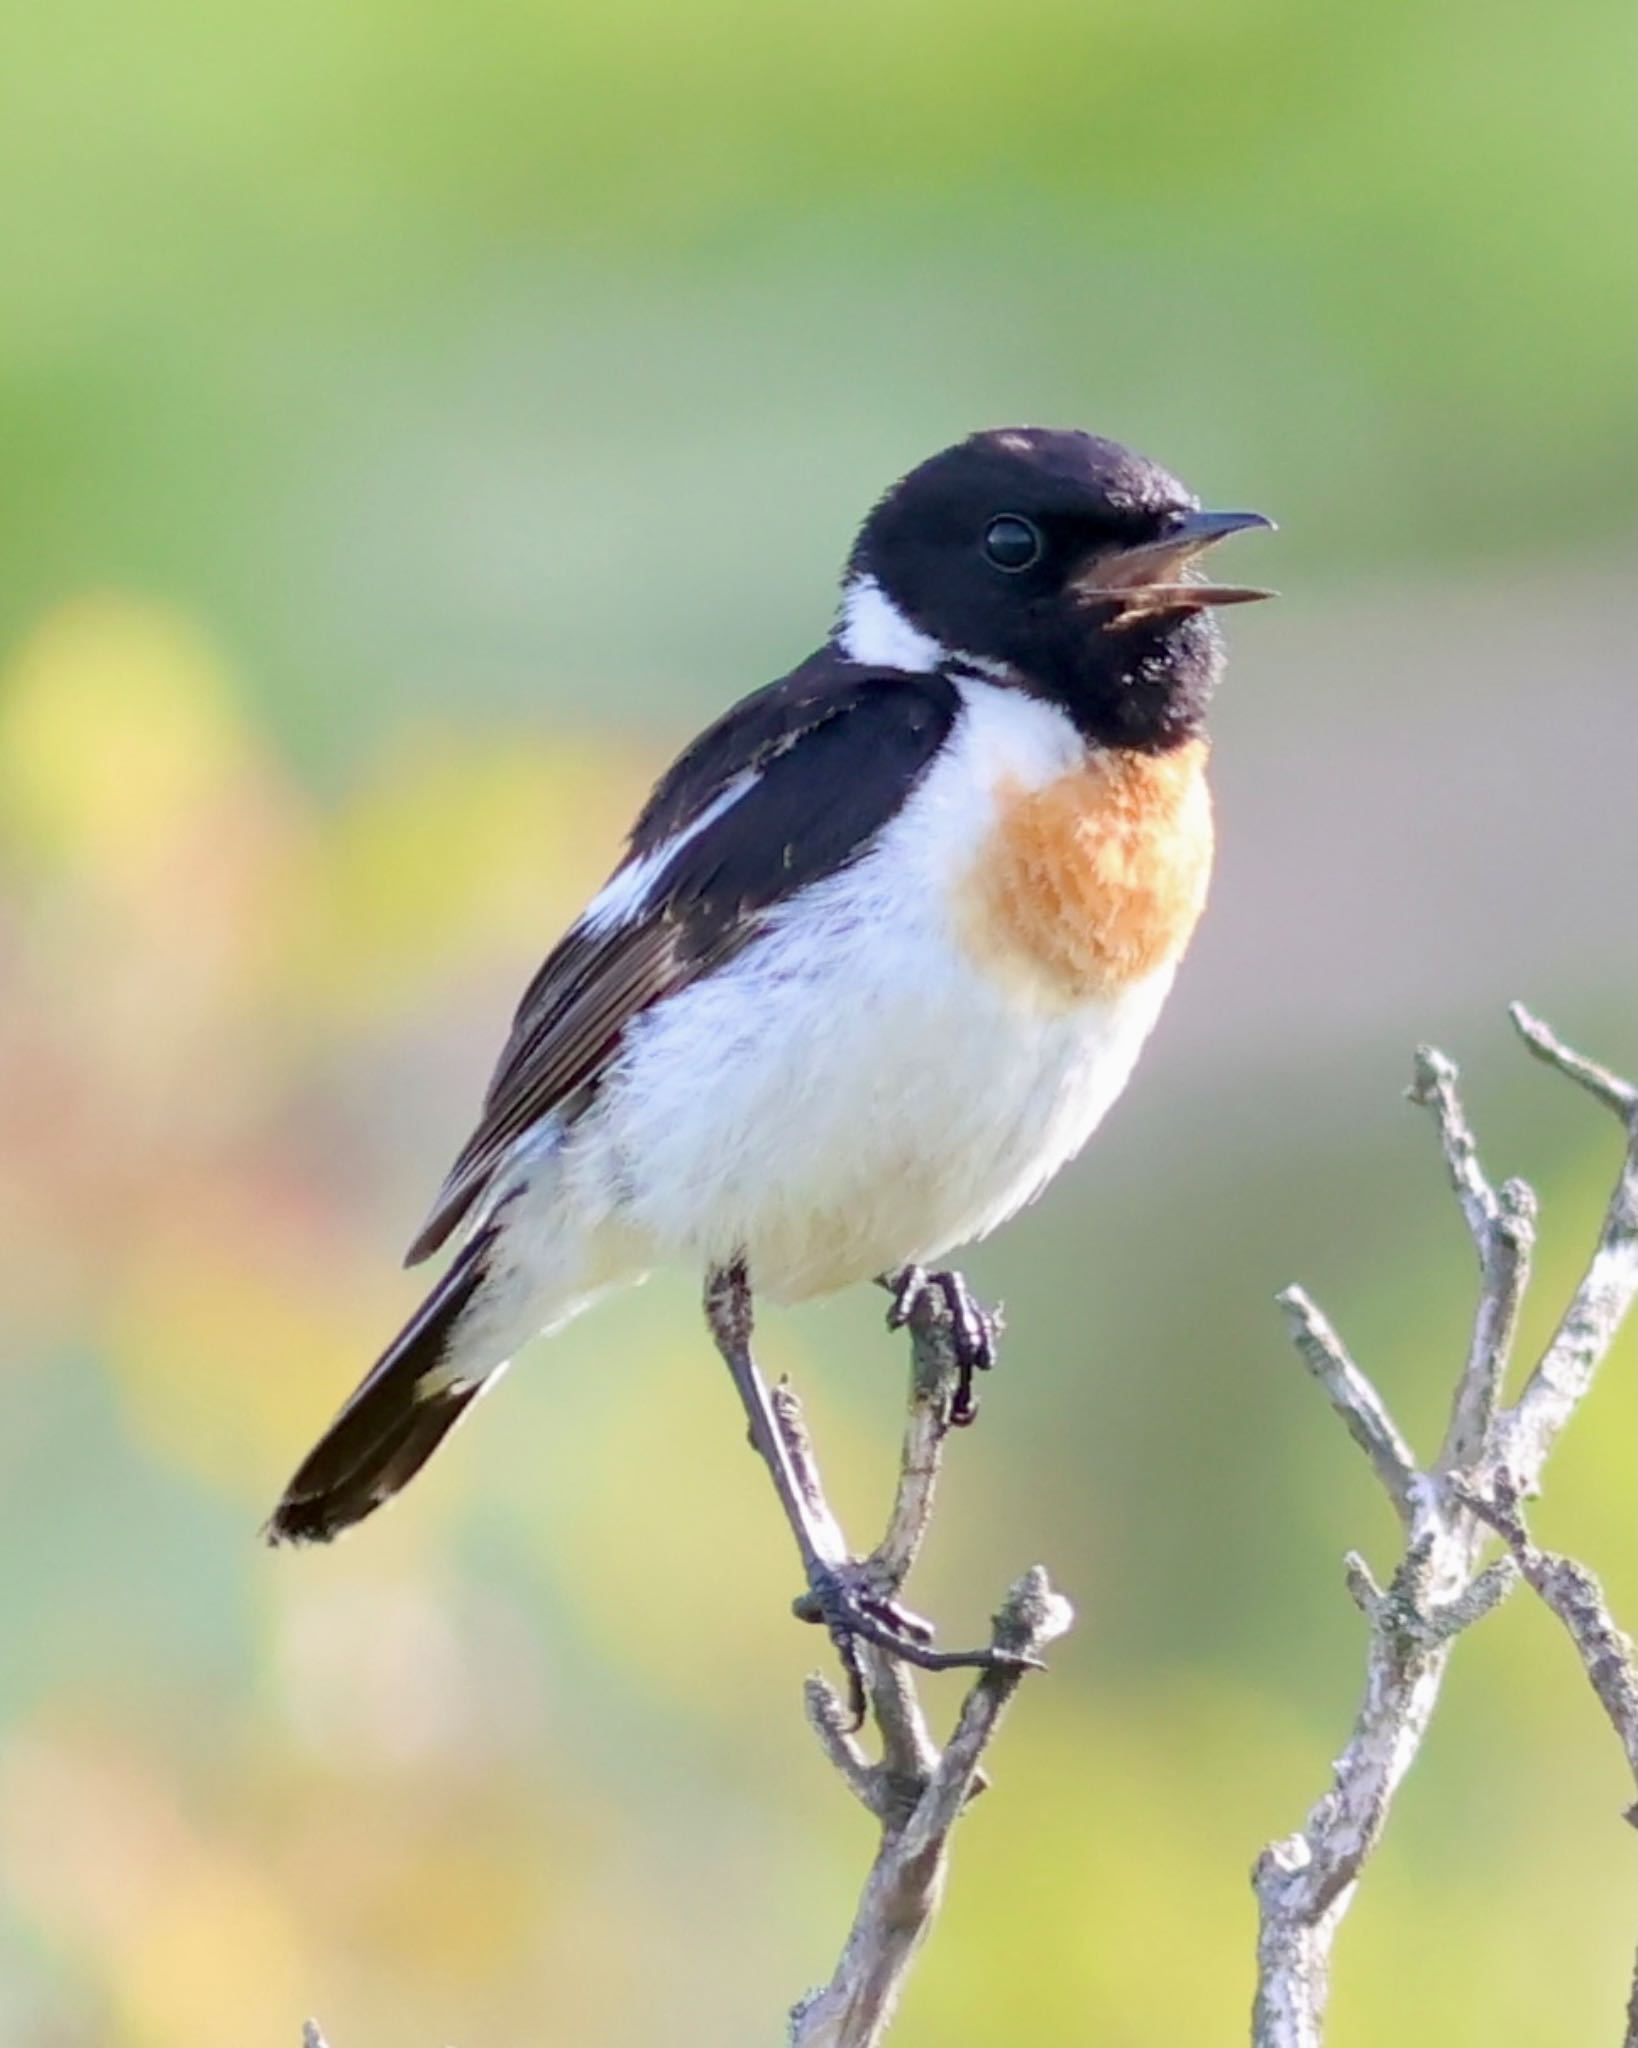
pixel 1431 1072
pixel 1356 1401
pixel 837 1735
pixel 1599 1081
pixel 1036 1609
pixel 1363 1589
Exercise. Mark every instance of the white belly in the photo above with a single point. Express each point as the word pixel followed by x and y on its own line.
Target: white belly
pixel 850 1123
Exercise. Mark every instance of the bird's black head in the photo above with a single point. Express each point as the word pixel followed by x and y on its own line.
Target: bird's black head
pixel 1060 558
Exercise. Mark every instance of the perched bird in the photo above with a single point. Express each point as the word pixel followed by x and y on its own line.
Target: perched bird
pixel 885 944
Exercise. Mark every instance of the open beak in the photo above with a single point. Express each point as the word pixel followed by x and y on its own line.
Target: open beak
pixel 1153 579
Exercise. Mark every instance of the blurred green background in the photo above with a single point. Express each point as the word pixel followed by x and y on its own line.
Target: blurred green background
pixel 417 420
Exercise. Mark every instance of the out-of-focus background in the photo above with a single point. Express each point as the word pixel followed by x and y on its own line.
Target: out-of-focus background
pixel 418 419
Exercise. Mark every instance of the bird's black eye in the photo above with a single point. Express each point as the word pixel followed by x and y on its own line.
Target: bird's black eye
pixel 1012 543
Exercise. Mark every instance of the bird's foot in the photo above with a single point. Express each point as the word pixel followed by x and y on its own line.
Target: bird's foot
pixel 848 1601
pixel 972 1331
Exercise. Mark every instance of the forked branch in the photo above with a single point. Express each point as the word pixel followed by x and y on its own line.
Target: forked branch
pixel 915 1790
pixel 1491 1460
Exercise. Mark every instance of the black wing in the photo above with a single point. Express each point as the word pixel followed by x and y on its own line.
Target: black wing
pixel 828 756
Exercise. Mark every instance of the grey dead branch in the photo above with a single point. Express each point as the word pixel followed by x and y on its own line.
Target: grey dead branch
pixel 1451 1511
pixel 914 1789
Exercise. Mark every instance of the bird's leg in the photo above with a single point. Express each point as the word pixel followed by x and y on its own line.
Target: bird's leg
pixel 972 1331
pixel 728 1312
pixel 840 1594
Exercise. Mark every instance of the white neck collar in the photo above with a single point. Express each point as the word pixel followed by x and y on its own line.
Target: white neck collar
pixel 875 633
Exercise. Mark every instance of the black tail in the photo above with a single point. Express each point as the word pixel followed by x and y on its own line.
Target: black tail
pixel 390 1426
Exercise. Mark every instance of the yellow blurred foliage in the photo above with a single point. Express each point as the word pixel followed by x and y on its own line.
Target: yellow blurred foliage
pixel 223 1333
pixel 118 731
pixel 454 848
pixel 175 1926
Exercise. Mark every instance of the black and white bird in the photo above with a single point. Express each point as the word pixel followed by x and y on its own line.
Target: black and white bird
pixel 885 944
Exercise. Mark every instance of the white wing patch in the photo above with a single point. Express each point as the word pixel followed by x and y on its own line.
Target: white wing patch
pixel 630 891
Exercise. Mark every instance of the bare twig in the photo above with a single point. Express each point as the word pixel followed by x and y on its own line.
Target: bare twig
pixel 1599 1082
pixel 933 1370
pixel 1502 1223
pixel 1364 1413
pixel 1491 1458
pixel 916 1791
pixel 1575 1596
pixel 917 1812
pixel 1588 1326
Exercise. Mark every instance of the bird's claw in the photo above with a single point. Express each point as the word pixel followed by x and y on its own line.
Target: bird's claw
pixel 974 1331
pixel 843 1600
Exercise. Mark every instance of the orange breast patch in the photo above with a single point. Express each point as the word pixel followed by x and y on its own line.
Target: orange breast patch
pixel 1094 881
